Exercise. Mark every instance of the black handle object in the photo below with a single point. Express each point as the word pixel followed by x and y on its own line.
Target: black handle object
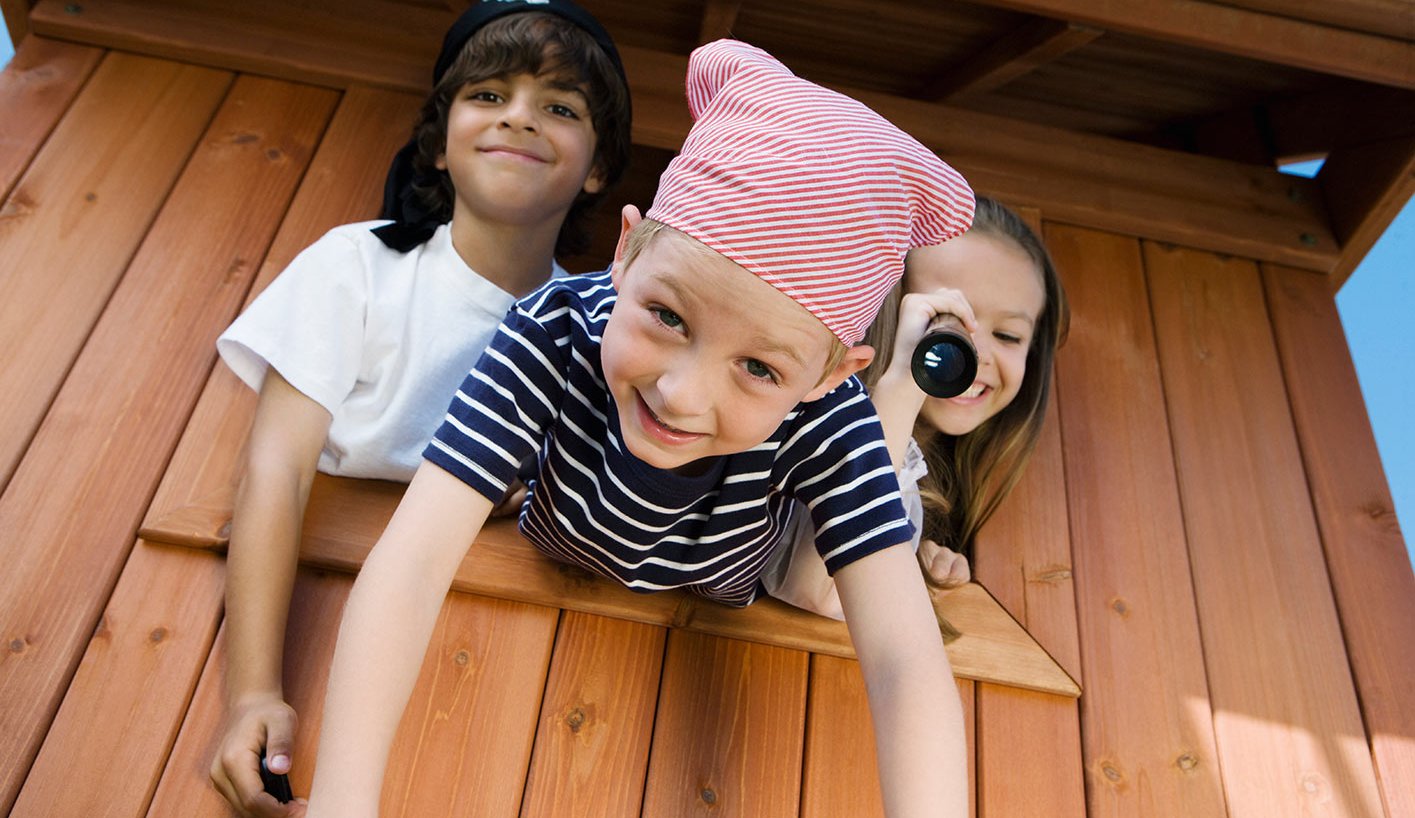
pixel 945 361
pixel 277 784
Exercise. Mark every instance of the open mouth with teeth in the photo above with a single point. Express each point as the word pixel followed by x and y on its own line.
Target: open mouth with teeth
pixel 974 391
pixel 660 429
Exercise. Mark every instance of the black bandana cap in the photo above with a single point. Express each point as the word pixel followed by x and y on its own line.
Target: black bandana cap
pixel 412 223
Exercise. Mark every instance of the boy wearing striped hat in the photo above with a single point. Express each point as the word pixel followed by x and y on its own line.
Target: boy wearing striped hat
pixel 677 404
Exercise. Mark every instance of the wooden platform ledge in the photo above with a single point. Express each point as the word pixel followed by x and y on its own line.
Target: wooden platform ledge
pixel 346 516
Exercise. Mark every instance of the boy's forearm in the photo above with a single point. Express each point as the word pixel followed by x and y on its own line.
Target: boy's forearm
pixel 914 704
pixel 921 742
pixel 261 566
pixel 383 637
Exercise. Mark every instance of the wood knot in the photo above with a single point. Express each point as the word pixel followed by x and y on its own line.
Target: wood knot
pixel 18 645
pixel 274 154
pixel 1053 573
pixel 709 796
pixel 575 719
pixel 157 635
pixel 1187 762
pixel 461 657
pixel 90 197
pixel 1119 606
pixel 1313 783
pixel 1111 772
pixel 244 138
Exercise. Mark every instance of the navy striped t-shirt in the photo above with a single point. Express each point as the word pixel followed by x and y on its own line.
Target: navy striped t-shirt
pixel 539 390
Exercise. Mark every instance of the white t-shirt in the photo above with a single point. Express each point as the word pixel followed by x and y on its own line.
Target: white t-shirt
pixel 796 573
pixel 380 339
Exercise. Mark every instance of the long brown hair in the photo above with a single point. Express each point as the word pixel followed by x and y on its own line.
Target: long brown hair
pixel 970 474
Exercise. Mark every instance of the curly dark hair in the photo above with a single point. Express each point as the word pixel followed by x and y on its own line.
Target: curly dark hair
pixel 532 43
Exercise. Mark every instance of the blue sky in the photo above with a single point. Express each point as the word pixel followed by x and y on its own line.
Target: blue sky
pixel 1376 305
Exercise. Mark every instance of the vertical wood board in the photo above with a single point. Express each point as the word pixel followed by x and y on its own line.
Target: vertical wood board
pixel 1029 755
pixel 73 221
pixel 841 774
pixel 68 518
pixel 344 184
pixel 1285 713
pixel 36 88
pixel 729 729
pixel 1146 722
pixel 127 699
pixel 464 745
pixel 596 722
pixel 1366 556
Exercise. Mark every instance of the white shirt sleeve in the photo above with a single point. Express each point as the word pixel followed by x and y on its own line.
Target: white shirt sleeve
pixel 308 324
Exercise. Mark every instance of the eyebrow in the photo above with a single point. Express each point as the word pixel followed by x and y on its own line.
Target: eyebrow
pixel 1022 315
pixel 765 345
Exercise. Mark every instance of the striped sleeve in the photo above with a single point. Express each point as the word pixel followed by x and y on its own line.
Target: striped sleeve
pixel 846 479
pixel 500 415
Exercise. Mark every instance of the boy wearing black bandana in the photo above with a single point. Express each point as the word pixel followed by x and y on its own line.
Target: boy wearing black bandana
pixel 356 346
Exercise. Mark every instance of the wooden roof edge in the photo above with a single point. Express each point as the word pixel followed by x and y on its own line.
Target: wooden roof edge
pixel 1314 46
pixel 1365 188
pixel 1095 181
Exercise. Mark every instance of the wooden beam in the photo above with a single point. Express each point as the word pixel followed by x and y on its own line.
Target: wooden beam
pixel 1032 45
pixel 718 18
pixel 345 517
pixel 1094 181
pixel 1365 188
pixel 16 13
pixel 1241 32
pixel 1389 18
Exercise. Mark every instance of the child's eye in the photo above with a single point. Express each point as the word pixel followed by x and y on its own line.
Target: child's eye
pixel 667 317
pixel 759 370
pixel 483 96
pixel 1007 338
pixel 564 110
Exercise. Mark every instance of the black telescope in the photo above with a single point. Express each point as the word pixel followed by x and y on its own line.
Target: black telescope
pixel 945 361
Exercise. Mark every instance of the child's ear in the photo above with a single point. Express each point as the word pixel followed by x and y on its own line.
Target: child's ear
pixel 594 183
pixel 440 162
pixel 856 358
pixel 628 217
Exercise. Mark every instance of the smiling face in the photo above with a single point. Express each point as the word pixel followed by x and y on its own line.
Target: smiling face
pixel 1004 288
pixel 519 150
pixel 703 358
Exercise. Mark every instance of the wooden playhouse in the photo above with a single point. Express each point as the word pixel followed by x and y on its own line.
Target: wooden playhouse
pixel 1203 548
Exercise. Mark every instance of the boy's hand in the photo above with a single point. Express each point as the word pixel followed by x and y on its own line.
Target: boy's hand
pixel 945 567
pixel 261 722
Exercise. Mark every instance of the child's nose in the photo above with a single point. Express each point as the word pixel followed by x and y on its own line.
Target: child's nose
pixel 520 114
pixel 684 392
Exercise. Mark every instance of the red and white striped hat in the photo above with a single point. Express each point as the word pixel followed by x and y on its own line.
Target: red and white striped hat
pixel 805 187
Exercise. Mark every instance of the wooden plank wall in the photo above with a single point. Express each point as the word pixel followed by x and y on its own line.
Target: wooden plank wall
pixel 341 185
pixel 1203 538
